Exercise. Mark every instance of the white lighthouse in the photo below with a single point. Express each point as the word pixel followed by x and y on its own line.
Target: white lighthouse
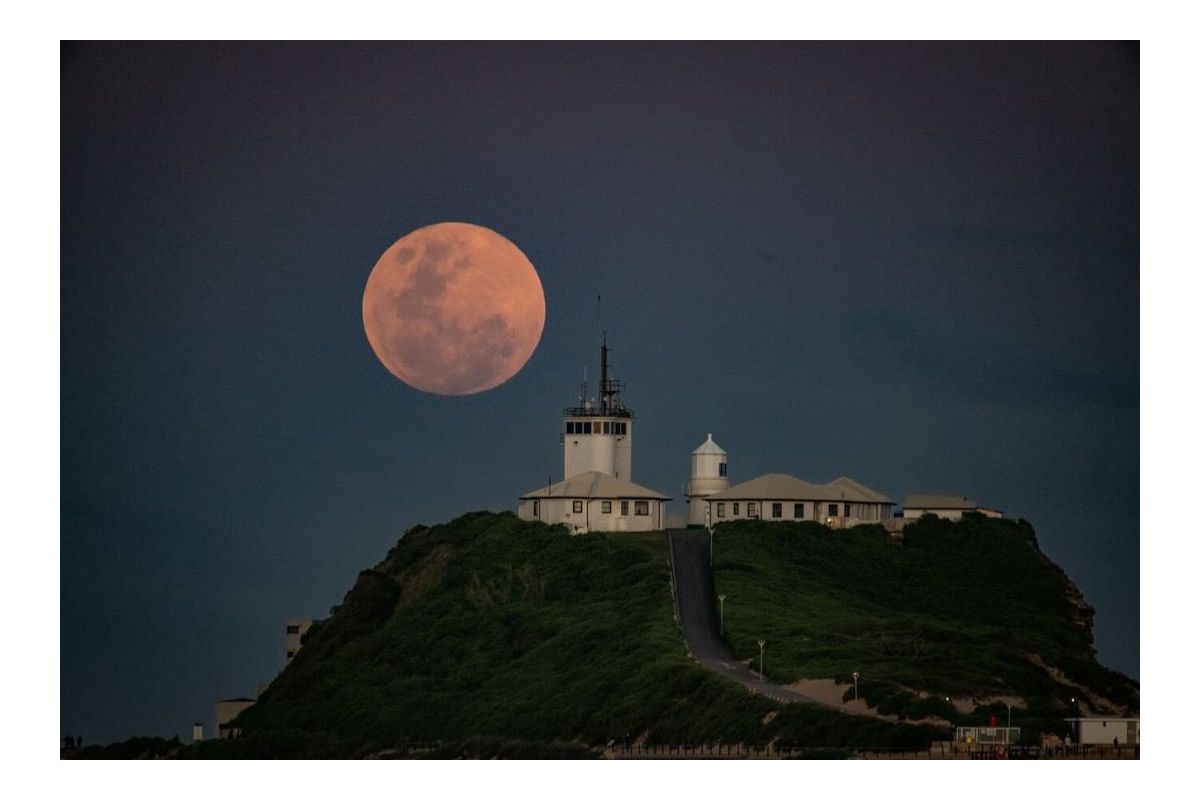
pixel 597 435
pixel 596 493
pixel 709 466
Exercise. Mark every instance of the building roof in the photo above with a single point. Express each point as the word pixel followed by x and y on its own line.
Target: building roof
pixel 709 448
pixel 785 487
pixel 590 485
pixel 942 501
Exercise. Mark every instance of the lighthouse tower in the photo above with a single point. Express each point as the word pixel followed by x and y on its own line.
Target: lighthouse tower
pixel 597 434
pixel 708 477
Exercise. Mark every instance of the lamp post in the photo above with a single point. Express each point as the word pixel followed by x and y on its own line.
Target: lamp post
pixel 761 644
pixel 1078 726
pixel 721 598
pixel 1008 728
pixel 710 547
pixel 855 676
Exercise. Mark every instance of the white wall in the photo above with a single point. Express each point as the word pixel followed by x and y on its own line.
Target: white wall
pixel 814 510
pixel 1103 731
pixel 948 513
pixel 598 452
pixel 591 517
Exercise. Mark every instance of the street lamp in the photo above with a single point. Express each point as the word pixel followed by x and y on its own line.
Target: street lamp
pixel 761 644
pixel 721 597
pixel 855 676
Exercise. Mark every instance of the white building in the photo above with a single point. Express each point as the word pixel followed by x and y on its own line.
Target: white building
pixel 597 492
pixel 709 476
pixel 293 634
pixel 946 506
pixel 594 501
pixel 1103 730
pixel 841 503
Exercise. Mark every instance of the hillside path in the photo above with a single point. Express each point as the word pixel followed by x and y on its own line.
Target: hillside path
pixel 696 601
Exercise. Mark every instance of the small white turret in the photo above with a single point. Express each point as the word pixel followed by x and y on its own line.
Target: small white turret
pixel 709 465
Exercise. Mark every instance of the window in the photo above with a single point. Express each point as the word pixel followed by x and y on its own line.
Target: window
pixel 845 509
pixel 291 653
pixel 736 509
pixel 624 508
pixel 833 509
pixel 720 509
pixel 751 509
pixel 777 510
pixel 641 508
pixel 535 508
pixel 606 427
pixel 577 507
pixel 606 506
pixel 293 628
pixel 798 511
pixel 721 469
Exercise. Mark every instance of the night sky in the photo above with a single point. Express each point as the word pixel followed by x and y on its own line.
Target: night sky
pixel 912 264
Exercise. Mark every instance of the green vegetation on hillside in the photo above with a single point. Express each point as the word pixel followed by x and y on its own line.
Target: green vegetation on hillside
pixel 961 609
pixel 489 626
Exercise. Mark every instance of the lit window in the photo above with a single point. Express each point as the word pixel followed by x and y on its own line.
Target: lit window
pixel 721 469
pixel 641 508
pixel 777 510
pixel 720 509
pixel 833 509
pixel 624 508
pixel 751 509
pixel 577 507
pixel 606 506
pixel 798 511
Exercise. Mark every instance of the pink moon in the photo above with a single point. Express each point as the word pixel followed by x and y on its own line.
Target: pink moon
pixel 453 309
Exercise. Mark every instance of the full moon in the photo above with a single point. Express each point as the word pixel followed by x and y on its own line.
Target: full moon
pixel 453 309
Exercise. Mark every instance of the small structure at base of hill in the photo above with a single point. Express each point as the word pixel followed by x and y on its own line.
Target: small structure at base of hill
pixel 1107 730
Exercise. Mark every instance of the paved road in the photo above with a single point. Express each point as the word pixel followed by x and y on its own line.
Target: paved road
pixel 698 618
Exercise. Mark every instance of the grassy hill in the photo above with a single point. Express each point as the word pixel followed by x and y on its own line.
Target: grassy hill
pixel 492 627
pixel 967 610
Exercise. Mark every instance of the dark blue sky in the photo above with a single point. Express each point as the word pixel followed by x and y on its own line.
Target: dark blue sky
pixel 913 264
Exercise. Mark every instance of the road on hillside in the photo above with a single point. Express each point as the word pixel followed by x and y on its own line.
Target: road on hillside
pixel 696 599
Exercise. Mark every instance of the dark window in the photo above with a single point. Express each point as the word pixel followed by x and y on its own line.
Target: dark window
pixel 751 509
pixel 736 509
pixel 606 506
pixel 641 508
pixel 607 427
pixel 293 628
pixel 721 469
pixel 720 509
pixel 624 508
pixel 291 653
pixel 845 509
pixel 777 510
pixel 577 507
pixel 535 508
pixel 798 511
pixel 833 509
